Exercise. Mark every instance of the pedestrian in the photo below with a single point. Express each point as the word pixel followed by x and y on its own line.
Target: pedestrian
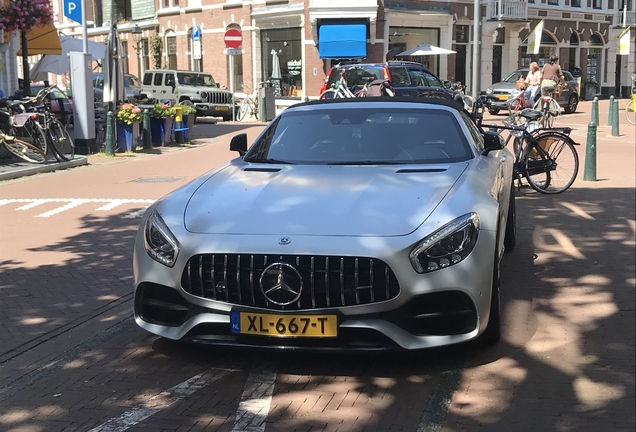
pixel 532 82
pixel 551 76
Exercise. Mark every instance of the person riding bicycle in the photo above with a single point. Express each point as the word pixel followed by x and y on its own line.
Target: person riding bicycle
pixel 551 76
pixel 532 83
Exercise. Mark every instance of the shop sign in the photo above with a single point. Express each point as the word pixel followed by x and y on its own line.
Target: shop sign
pixel 294 67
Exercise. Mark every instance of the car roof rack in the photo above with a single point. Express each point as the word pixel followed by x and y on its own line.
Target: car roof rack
pixel 403 62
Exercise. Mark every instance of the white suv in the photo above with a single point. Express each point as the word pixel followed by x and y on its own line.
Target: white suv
pixel 189 87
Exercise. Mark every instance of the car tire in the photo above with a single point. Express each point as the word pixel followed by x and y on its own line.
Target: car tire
pixel 573 102
pixel 492 334
pixel 510 238
pixel 493 111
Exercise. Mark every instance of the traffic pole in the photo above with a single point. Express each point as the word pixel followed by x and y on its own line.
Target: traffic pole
pixel 590 153
pixel 110 136
pixel 610 115
pixel 594 110
pixel 147 140
pixel 614 111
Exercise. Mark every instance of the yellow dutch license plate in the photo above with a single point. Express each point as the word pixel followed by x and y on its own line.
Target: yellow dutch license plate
pixel 279 325
pixel 222 108
pixel 502 97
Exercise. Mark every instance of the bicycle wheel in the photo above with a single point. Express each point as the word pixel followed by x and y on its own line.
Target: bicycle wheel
pixel 242 110
pixel 36 135
pixel 24 150
pixel 328 94
pixel 629 111
pixel 61 141
pixel 560 164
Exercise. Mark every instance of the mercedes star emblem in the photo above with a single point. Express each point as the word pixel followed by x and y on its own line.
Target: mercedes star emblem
pixel 281 283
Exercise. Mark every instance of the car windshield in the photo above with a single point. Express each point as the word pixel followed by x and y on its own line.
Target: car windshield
pixel 356 76
pixel 356 135
pixel 513 77
pixel 196 79
pixel 131 81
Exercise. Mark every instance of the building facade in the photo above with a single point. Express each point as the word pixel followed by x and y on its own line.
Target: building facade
pixel 294 43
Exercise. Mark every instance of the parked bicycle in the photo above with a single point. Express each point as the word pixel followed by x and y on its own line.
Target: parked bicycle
pixel 339 90
pixel 248 106
pixel 22 149
pixel 58 138
pixel 17 121
pixel 546 158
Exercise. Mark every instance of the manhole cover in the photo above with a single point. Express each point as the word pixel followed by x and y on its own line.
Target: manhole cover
pixel 157 179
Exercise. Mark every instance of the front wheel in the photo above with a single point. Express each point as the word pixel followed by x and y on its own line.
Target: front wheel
pixel 629 112
pixel 61 142
pixel 493 111
pixel 242 111
pixel 25 151
pixel 492 334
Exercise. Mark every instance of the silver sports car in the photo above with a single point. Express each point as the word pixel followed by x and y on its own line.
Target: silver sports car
pixel 368 224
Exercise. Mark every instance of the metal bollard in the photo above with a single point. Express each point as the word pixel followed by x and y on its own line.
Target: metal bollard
pixel 590 153
pixel 610 115
pixel 614 111
pixel 147 140
pixel 594 111
pixel 110 134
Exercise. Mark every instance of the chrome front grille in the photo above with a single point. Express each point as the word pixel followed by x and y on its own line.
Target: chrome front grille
pixel 217 97
pixel 327 281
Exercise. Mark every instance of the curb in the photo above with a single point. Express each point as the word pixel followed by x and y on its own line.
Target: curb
pixel 22 169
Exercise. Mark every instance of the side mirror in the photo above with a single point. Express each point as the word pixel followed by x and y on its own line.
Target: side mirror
pixel 239 144
pixel 492 141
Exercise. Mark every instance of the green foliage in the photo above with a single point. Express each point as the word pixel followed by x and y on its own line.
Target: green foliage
pixel 128 113
pixel 161 111
pixel 155 49
pixel 186 109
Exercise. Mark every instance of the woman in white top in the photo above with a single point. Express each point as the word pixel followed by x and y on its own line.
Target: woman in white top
pixel 533 82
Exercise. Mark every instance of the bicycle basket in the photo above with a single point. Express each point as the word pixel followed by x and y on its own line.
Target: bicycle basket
pixel 545 144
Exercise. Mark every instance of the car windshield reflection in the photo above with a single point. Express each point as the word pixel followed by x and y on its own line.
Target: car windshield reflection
pixel 362 136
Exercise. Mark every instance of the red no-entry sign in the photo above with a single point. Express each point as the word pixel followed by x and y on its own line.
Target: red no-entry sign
pixel 233 38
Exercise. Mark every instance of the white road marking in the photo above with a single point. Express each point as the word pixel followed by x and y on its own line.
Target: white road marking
pixel 161 401
pixel 69 203
pixel 251 415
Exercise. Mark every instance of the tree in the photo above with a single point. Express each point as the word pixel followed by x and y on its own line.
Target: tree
pixel 22 16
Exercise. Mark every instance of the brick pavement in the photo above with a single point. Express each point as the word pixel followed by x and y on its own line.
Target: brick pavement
pixel 566 367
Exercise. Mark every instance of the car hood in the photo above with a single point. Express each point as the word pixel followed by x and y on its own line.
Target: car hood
pixel 319 200
pixel 503 87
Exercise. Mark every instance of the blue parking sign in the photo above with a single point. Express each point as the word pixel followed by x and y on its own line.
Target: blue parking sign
pixel 196 33
pixel 73 10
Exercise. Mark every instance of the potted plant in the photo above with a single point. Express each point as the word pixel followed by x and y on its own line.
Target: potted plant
pixel 160 123
pixel 128 117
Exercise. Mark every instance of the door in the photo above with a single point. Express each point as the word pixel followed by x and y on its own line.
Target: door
pixel 460 64
pixel 496 63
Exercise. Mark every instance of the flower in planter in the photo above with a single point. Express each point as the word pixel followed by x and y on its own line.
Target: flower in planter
pixel 128 113
pixel 161 111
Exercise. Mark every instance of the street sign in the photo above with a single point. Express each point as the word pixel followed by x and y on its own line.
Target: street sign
pixel 233 38
pixel 233 51
pixel 73 10
pixel 196 42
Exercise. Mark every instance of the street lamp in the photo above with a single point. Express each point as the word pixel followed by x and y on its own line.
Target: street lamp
pixel 136 34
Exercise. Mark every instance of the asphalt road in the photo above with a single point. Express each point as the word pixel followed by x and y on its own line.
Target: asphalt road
pixel 71 359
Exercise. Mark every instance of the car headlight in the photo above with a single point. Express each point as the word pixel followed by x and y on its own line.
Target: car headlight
pixel 489 90
pixel 447 246
pixel 160 243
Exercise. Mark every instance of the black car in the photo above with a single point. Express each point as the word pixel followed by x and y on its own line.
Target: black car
pixel 406 78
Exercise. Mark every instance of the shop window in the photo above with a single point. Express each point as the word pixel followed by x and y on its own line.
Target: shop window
pixel 281 53
pixel 462 33
pixel 171 51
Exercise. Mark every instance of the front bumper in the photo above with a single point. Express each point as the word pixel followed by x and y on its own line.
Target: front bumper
pixel 444 307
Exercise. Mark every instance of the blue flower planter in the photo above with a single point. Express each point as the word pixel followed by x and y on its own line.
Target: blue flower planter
pixel 157 130
pixel 126 139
